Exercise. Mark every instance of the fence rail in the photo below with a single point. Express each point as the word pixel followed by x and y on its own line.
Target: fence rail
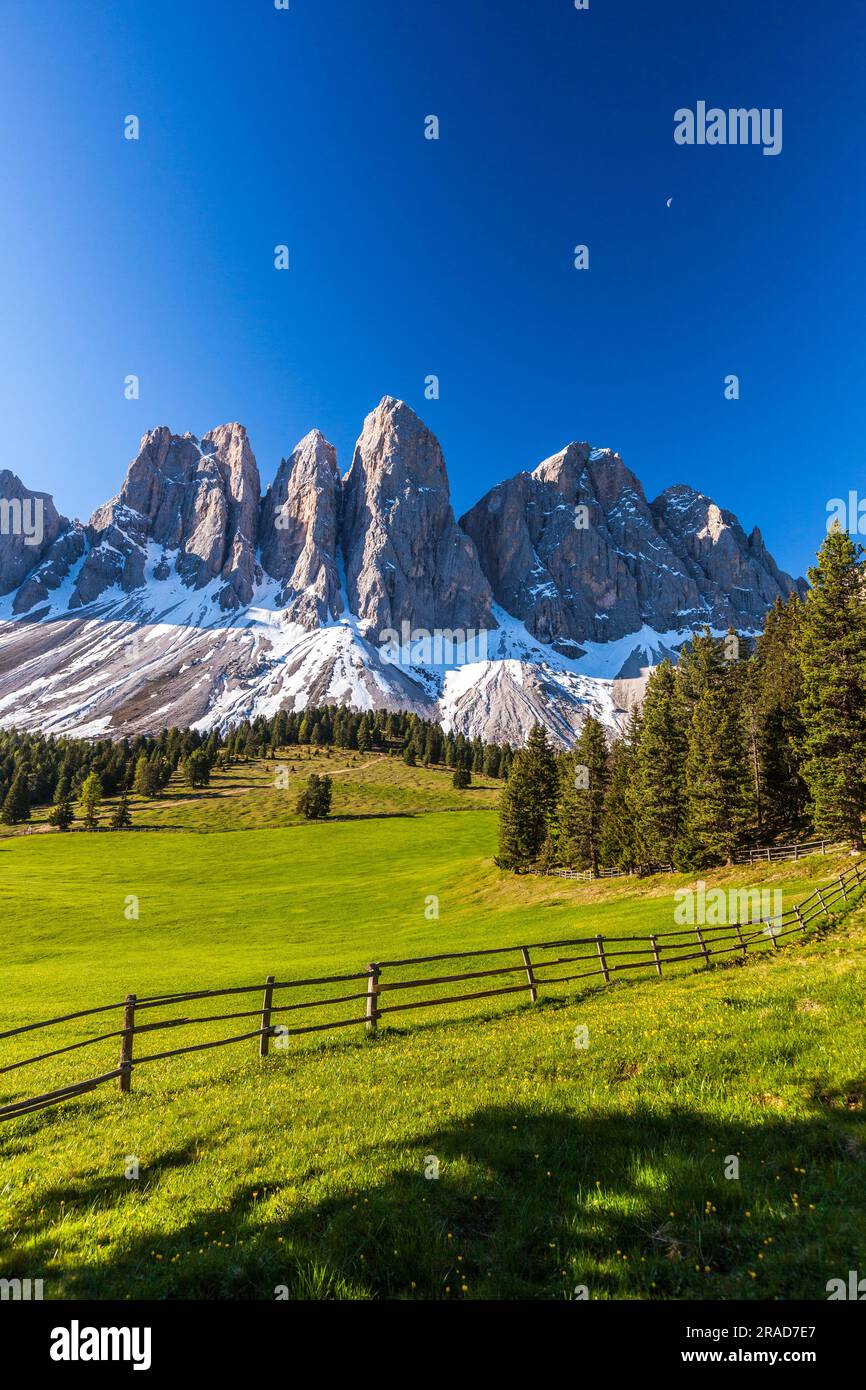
pixel 588 875
pixel 529 963
pixel 775 853
pixel 769 854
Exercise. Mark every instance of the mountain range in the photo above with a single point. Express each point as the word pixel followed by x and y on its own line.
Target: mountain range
pixel 193 597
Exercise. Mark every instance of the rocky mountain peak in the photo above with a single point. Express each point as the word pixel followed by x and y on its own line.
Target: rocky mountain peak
pixel 29 525
pixel 190 505
pixel 736 575
pixel 406 558
pixel 573 549
pixel 298 531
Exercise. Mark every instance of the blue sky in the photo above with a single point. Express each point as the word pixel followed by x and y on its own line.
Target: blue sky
pixel 454 257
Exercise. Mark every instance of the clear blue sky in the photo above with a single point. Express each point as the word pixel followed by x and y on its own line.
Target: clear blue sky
pixel 411 257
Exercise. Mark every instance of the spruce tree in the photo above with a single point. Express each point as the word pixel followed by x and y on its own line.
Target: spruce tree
pixel 527 807
pixel 462 778
pixel 779 722
pixel 701 666
pixel 314 799
pixel 621 844
pixel 61 814
pixel 833 700
pixel 196 769
pixel 16 806
pixel 718 793
pixel 660 764
pixel 491 761
pixel 584 778
pixel 121 816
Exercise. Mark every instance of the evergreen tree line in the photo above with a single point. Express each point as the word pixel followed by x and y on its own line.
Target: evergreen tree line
pixel 46 770
pixel 741 743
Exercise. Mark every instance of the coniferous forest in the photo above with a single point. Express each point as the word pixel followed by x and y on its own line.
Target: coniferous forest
pixel 743 742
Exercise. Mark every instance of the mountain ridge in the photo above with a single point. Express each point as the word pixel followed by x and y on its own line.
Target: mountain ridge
pixel 286 593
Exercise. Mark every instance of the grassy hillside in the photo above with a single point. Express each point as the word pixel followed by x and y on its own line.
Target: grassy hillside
pixel 558 1166
pixel 247 796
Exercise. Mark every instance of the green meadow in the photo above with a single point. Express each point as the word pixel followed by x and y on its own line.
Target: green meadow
pixel 472 1151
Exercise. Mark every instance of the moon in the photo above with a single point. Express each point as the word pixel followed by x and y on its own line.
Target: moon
pixel 669 201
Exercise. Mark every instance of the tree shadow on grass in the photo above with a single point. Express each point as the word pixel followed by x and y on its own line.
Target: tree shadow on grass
pixel 628 1204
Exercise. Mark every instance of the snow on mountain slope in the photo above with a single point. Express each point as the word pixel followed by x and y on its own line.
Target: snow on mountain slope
pixel 192 599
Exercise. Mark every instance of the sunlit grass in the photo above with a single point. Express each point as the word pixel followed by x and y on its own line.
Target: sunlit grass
pixel 559 1166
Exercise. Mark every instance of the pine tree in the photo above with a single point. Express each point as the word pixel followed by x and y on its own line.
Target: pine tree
pixel 660 759
pixel 491 761
pixel 717 782
pixel 833 701
pixel 462 778
pixel 701 666
pixel 16 806
pixel 196 768
pixel 122 816
pixel 325 792
pixel 746 676
pixel 61 814
pixel 621 844
pixel 314 799
pixel 89 801
pixel 779 723
pixel 527 808
pixel 141 782
pixel 584 777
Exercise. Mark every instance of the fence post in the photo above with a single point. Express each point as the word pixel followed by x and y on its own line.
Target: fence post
pixel 126 1043
pixel 604 970
pixel 823 904
pixel 703 945
pixel 800 918
pixel 771 932
pixel 743 947
pixel 658 959
pixel 372 997
pixel 266 1016
pixel 796 852
pixel 842 886
pixel 530 974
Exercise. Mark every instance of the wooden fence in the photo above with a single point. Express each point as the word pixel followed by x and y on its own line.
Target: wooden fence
pixel 763 854
pixel 369 990
pixel 775 853
pixel 588 875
